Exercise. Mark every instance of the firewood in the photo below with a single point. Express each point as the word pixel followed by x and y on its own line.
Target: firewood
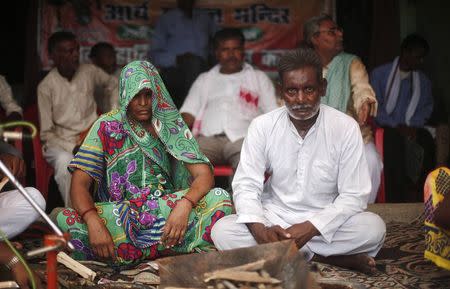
pixel 254 266
pixel 77 267
pixel 91 262
pixel 181 288
pixel 242 276
pixel 147 278
pixel 229 285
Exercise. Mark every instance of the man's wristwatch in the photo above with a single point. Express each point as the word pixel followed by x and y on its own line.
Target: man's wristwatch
pixel 14 260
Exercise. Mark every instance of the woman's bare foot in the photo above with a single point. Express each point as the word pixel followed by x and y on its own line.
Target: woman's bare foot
pixel 359 262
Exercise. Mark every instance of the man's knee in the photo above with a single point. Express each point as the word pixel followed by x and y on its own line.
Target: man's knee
pixel 36 196
pixel 218 232
pixel 375 228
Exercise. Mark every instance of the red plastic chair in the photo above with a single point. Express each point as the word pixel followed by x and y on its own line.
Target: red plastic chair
pixel 379 144
pixel 223 171
pixel 43 171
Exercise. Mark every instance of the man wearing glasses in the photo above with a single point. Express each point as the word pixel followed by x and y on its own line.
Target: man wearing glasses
pixel 348 87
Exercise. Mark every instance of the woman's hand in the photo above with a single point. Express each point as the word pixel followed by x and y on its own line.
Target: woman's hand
pixel 176 225
pixel 99 237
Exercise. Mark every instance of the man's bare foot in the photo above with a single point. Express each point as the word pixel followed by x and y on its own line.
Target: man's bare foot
pixel 359 262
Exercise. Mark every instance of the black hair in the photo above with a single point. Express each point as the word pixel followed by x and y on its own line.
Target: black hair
pixel 414 41
pixel 97 48
pixel 226 34
pixel 300 58
pixel 58 37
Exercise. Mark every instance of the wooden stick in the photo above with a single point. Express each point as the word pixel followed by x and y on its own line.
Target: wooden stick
pixel 242 276
pixel 3 182
pixel 75 266
pixel 258 265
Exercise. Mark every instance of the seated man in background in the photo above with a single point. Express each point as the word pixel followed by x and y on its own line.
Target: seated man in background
pixel 223 101
pixel 12 110
pixel 66 104
pixel 319 181
pixel 103 55
pixel 180 47
pixel 348 88
pixel 405 104
pixel 437 217
pixel 16 214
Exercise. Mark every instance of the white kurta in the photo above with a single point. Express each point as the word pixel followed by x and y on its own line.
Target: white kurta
pixel 322 178
pixel 66 109
pixel 227 103
pixel 7 100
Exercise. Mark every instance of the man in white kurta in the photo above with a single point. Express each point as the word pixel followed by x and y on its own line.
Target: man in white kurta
pixel 67 107
pixel 348 88
pixel 320 178
pixel 224 100
pixel 12 110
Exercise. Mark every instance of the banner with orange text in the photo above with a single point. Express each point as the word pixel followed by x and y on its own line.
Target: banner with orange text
pixel 270 26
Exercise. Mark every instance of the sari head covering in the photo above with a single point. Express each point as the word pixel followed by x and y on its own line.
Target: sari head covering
pixel 170 127
pixel 140 177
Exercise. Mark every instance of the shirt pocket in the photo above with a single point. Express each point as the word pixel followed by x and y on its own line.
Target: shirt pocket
pixel 323 177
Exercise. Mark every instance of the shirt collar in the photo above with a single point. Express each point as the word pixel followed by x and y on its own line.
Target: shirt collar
pixel 313 128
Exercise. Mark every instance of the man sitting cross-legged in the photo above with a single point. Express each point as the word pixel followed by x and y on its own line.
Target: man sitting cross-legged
pixel 319 181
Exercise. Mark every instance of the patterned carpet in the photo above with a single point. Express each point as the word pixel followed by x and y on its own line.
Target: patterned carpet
pixel 400 261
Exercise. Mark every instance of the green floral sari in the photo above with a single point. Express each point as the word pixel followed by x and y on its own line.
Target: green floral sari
pixel 140 178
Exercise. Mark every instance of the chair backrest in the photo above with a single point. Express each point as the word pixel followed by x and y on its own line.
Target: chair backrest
pixel 43 171
pixel 379 144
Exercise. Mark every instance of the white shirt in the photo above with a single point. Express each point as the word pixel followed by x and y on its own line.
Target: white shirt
pixel 6 98
pixel 67 108
pixel 322 178
pixel 227 103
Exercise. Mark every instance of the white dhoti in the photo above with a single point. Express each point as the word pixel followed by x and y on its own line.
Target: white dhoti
pixel 59 159
pixel 16 213
pixel 375 167
pixel 361 233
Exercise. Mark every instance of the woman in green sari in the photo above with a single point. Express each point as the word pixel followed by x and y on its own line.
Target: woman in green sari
pixel 139 161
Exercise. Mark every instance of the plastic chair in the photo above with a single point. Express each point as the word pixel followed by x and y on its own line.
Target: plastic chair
pixel 379 144
pixel 223 171
pixel 43 171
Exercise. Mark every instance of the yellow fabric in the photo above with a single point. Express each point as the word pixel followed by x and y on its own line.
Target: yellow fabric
pixel 437 240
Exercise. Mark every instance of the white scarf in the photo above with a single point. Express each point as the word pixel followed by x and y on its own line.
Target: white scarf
pixel 393 89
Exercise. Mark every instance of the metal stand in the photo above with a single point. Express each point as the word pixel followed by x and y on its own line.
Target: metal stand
pixel 52 243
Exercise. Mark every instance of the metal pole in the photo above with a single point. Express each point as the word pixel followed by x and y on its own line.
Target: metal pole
pixel 52 274
pixel 25 194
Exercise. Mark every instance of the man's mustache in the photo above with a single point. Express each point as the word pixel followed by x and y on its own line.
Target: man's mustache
pixel 232 59
pixel 301 106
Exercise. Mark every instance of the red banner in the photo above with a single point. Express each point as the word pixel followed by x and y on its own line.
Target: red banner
pixel 270 27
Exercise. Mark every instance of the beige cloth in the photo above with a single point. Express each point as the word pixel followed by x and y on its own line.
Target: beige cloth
pixel 67 108
pixel 6 98
pixel 361 92
pixel 220 150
